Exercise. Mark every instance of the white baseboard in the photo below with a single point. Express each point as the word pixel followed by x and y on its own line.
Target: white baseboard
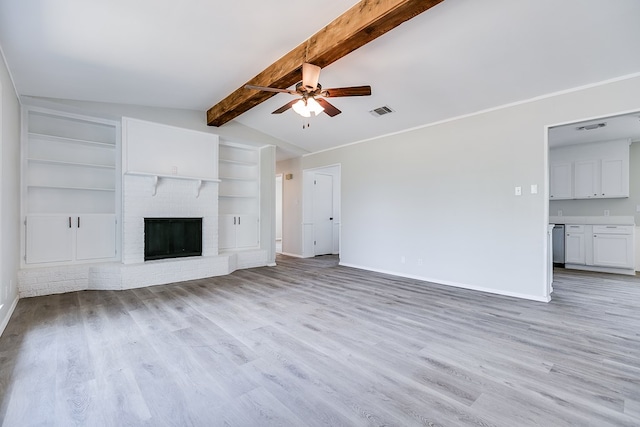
pixel 291 255
pixel 625 271
pixel 454 284
pixel 7 317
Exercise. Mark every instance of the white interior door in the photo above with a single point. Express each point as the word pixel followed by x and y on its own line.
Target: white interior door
pixel 323 214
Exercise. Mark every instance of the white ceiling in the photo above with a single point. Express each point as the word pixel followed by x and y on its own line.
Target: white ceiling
pixel 459 57
pixel 626 126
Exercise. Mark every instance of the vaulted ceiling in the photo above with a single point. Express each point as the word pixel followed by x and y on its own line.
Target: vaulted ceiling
pixel 459 57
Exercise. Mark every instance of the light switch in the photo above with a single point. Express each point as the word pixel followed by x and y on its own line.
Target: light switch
pixel 534 188
pixel 518 191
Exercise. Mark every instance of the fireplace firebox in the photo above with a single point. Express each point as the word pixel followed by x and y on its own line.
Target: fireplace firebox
pixel 172 238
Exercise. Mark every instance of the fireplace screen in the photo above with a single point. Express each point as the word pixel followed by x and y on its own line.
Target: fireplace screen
pixel 172 238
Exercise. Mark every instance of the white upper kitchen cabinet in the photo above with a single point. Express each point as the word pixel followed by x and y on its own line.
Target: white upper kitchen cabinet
pixel 586 179
pixel 614 177
pixel 589 171
pixel 560 181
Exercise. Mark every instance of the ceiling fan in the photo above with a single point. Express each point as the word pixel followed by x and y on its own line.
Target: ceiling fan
pixel 313 94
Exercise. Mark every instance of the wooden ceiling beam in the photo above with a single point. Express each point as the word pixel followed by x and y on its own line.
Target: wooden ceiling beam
pixel 359 25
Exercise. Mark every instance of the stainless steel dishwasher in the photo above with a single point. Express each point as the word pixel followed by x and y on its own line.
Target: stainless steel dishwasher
pixel 558 245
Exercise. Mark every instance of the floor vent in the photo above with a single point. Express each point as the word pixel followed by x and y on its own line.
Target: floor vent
pixel 381 111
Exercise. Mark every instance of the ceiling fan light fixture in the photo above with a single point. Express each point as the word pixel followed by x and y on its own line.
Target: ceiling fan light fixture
pixel 306 108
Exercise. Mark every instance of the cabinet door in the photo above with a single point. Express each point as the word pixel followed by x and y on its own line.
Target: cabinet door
pixel 614 178
pixel 95 236
pixel 49 238
pixel 586 179
pixel 613 250
pixel 560 181
pixel 247 231
pixel 227 231
pixel 574 248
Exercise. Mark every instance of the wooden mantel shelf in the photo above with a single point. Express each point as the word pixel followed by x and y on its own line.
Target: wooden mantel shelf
pixel 157 177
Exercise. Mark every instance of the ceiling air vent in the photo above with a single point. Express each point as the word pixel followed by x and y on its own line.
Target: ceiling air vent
pixel 381 111
pixel 592 127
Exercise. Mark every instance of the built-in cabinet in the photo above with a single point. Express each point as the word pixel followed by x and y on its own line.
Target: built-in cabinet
pixel 589 171
pixel 613 246
pixel 239 197
pixel 574 246
pixel 71 187
pixel 59 238
pixel 607 246
pixel 237 231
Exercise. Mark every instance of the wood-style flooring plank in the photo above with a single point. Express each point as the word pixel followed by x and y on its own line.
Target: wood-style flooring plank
pixel 311 343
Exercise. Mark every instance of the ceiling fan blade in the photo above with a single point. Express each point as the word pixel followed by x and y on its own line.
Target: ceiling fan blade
pixel 346 91
pixel 271 89
pixel 285 107
pixel 310 76
pixel 328 107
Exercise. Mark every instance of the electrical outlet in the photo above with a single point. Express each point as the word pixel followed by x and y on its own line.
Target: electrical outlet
pixel 518 191
pixel 420 261
pixel 174 170
pixel 606 212
pixel 560 212
pixel 534 188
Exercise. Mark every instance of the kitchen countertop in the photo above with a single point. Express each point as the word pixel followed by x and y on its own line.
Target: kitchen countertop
pixel 595 220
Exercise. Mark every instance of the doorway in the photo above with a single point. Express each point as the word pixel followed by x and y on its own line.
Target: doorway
pixel 279 213
pixel 591 166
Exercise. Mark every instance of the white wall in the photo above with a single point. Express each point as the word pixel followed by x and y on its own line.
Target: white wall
pixel 279 207
pixel 189 119
pixel 291 206
pixel 444 194
pixel 9 195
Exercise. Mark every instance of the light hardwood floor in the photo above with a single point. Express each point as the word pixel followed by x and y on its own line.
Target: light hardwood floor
pixel 312 343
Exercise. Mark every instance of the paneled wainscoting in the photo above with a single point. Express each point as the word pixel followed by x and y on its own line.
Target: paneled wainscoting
pixel 312 343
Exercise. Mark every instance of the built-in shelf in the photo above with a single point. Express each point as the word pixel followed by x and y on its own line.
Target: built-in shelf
pixel 64 163
pixel 64 187
pixel 229 178
pixel 157 177
pixel 239 162
pixel 70 140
